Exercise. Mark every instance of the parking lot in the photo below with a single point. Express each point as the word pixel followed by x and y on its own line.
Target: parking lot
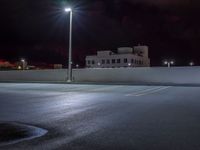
pixel 81 116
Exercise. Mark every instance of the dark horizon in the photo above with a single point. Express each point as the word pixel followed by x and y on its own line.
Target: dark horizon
pixel 38 31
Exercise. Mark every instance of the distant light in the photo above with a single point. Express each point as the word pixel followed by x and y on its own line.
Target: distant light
pixel 129 64
pixel 68 9
pixel 22 60
pixel 165 62
pixel 172 62
pixel 191 63
pixel 99 64
pixel 19 67
pixel 77 65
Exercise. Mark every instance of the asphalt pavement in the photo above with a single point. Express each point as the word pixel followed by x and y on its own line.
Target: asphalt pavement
pixel 104 117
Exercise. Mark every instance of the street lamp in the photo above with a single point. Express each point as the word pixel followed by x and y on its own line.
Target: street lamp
pixel 169 63
pixel 70 46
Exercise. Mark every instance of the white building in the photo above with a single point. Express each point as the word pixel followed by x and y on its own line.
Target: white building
pixel 126 57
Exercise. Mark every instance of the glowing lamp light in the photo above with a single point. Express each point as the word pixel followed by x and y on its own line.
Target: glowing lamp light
pixel 22 60
pixel 191 63
pixel 68 9
pixel 19 67
pixel 165 62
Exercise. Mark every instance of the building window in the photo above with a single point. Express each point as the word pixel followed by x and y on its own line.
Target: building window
pixel 118 61
pixel 93 62
pixel 132 61
pixel 125 60
pixel 103 61
pixel 113 61
pixel 108 61
pixel 88 62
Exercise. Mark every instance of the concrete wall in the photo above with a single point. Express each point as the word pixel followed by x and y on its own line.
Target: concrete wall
pixel 174 75
pixel 34 75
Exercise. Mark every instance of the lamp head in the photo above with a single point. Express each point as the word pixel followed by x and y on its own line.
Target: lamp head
pixel 165 62
pixel 172 62
pixel 68 9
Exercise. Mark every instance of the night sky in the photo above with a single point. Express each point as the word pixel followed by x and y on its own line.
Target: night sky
pixel 38 30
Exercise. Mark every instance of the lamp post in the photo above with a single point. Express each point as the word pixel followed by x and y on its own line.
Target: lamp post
pixel 70 47
pixel 168 63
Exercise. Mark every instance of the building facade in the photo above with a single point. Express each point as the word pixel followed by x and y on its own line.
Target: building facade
pixel 125 57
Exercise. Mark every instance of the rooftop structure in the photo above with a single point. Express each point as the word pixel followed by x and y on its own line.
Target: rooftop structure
pixel 125 57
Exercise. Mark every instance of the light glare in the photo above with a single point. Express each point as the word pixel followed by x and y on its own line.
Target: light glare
pixel 68 9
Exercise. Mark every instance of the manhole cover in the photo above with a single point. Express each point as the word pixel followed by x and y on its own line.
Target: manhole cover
pixel 11 133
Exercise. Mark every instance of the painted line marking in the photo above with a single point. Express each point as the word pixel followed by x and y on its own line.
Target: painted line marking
pixel 149 91
pixel 143 90
pixel 99 89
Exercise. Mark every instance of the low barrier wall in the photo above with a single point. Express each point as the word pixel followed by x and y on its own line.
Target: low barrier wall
pixel 34 75
pixel 156 75
pixel 176 75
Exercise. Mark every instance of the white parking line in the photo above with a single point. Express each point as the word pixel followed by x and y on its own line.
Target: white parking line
pixel 99 89
pixel 143 90
pixel 148 91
